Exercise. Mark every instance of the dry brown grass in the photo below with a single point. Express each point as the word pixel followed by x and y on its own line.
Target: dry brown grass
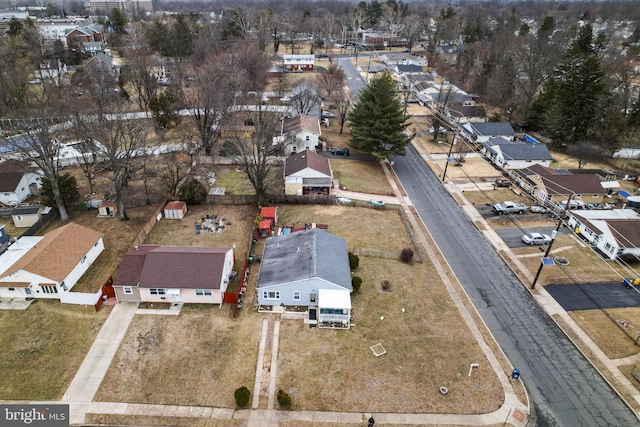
pixel 182 232
pixel 10 229
pixel 427 346
pixel 139 420
pixel 606 334
pixel 361 227
pixel 362 176
pixel 489 197
pixel 197 358
pixel 43 347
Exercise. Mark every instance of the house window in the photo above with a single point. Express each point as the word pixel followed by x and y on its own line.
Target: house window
pixel 155 291
pixel 203 292
pixel 19 217
pixel 296 295
pixel 271 295
pixel 307 138
pixel 595 196
pixel 12 289
pixel 48 289
pixel 96 244
pixel 84 258
pixel 127 290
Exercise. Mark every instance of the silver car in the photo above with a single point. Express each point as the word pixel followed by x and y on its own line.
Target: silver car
pixel 536 239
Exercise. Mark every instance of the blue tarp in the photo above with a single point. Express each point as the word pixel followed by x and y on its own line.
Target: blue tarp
pixel 532 140
pixel 623 193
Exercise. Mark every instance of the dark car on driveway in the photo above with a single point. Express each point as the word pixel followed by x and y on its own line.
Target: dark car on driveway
pixel 502 183
pixel 341 151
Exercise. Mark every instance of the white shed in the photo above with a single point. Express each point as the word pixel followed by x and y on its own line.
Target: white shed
pixel 175 210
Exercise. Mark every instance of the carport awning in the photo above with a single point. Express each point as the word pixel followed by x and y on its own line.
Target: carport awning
pixel 334 298
pixel 610 184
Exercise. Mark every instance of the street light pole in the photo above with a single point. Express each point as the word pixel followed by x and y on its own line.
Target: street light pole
pixel 446 165
pixel 553 239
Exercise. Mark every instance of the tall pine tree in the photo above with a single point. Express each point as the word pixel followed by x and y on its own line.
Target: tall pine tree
pixel 378 122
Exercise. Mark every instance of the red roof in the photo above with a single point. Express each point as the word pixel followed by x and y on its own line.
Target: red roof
pixel 269 212
pixel 265 224
pixel 176 205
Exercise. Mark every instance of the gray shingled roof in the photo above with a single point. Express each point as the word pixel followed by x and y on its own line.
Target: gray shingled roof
pixel 306 254
pixel 493 128
pixel 514 150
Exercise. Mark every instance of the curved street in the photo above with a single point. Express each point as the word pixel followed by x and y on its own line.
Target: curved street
pixel 564 388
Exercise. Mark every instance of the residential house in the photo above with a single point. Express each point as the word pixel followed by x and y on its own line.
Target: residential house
pixel 554 187
pixel 508 154
pixel 295 267
pixel 91 48
pixel 52 70
pixel 307 173
pixel 445 95
pixel 298 63
pixel 467 113
pixel 50 265
pixel 483 132
pixel 100 63
pixel 405 70
pixel 629 152
pixel 17 182
pixel 297 134
pixel 305 98
pixel 402 58
pixel 612 233
pixel 150 273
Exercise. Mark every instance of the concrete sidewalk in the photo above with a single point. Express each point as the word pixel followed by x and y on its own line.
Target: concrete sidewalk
pixel 86 382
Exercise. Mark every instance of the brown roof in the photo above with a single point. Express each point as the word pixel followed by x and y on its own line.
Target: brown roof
pixel 175 205
pixel 564 184
pixel 576 184
pixel 172 267
pixel 131 266
pixel 58 252
pixel 301 122
pixel 307 159
pixel 625 231
pixel 11 173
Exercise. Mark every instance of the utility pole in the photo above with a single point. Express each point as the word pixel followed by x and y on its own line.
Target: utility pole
pixel 553 239
pixel 444 174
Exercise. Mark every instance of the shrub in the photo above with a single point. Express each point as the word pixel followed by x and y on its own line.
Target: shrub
pixel 284 399
pixel 386 286
pixel 406 255
pixel 355 283
pixel 354 261
pixel 193 192
pixel 242 396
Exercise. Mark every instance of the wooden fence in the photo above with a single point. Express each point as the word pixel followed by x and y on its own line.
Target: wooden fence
pixel 148 226
pixel 227 199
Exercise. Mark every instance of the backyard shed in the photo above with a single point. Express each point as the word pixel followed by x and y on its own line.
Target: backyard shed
pixel 175 210
pixel 107 210
pixel 264 228
pixel 270 212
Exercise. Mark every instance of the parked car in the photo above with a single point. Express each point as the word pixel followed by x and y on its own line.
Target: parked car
pixel 536 239
pixel 340 151
pixel 509 207
pixel 539 209
pixel 327 114
pixel 502 183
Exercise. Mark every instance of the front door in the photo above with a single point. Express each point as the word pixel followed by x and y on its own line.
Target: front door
pixel 28 291
pixel 312 299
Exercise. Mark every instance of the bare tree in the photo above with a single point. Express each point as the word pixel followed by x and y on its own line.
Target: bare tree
pixel 254 152
pixel 330 80
pixel 211 99
pixel 264 22
pixel 143 82
pixel 305 96
pixel 328 27
pixel 343 101
pixel 123 144
pixel 391 21
pixel 412 29
pixel 355 19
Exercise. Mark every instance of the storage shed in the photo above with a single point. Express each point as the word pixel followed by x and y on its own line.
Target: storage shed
pixel 264 228
pixel 107 210
pixel 270 212
pixel 175 210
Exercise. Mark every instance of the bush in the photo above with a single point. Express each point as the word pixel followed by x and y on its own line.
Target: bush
pixel 193 192
pixel 284 399
pixel 406 255
pixel 354 261
pixel 242 396
pixel 355 283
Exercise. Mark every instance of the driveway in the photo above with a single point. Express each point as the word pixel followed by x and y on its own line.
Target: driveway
pixel 594 296
pixel 513 236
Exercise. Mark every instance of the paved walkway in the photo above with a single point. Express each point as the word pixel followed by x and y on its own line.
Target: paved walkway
pixel 85 384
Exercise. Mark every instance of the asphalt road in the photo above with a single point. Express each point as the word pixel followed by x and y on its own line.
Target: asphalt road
pixel 355 82
pixel 565 390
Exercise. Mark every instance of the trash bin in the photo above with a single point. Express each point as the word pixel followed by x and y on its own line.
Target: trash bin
pixel 627 283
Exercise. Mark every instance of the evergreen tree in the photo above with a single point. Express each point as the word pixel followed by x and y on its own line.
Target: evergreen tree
pixel 68 190
pixel 568 107
pixel 378 122
pixel 119 21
